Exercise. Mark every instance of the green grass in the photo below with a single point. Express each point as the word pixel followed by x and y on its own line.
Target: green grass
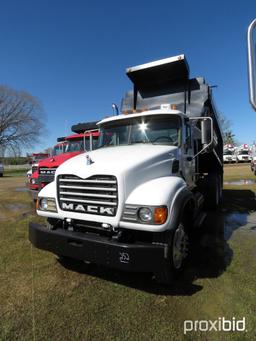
pixel 43 299
pixel 15 172
pixel 238 171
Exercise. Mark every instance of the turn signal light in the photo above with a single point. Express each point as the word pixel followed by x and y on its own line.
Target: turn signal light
pixel 37 204
pixel 160 215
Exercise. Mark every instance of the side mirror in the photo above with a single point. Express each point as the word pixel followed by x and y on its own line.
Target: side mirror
pixel 251 64
pixel 206 134
pixel 206 131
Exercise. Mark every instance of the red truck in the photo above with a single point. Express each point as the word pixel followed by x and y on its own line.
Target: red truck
pixel 36 158
pixel 33 173
pixel 75 144
pixel 85 138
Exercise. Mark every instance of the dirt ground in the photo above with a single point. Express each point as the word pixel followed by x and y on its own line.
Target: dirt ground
pixel 42 298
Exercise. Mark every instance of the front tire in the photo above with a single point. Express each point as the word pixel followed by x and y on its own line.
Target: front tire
pixel 177 241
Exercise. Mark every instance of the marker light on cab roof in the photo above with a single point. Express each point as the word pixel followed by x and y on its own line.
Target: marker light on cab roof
pixel 168 106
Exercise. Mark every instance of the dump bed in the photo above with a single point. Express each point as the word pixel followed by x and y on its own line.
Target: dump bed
pixel 167 82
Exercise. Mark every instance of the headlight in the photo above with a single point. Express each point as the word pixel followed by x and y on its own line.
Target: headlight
pixel 152 215
pixel 145 214
pixel 47 204
pixel 43 204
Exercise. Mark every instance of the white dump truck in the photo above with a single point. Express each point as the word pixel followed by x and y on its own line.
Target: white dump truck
pixel 229 154
pixel 243 153
pixel 133 203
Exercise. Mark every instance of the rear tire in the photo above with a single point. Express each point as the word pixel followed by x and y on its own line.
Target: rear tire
pixel 213 191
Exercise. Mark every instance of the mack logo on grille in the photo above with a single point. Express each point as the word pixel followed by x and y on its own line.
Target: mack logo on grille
pixel 88 208
pixel 51 172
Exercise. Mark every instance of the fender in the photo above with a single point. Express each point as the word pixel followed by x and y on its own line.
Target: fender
pixel 49 191
pixel 158 192
pixel 178 204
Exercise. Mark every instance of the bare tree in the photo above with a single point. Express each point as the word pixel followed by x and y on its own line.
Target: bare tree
pixel 227 132
pixel 21 120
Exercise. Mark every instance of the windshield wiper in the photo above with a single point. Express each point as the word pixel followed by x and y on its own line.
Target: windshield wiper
pixel 134 142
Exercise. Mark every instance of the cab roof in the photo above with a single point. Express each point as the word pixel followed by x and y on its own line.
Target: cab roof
pixel 140 114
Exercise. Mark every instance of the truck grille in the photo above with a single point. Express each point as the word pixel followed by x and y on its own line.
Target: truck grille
pixel 97 194
pixel 46 174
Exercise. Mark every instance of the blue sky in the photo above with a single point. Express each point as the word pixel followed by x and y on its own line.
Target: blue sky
pixel 73 54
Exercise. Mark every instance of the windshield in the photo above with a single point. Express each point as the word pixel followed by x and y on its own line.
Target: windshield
pixel 158 129
pixel 227 152
pixel 57 150
pixel 74 146
pixel 78 145
pixel 243 152
pixel 40 157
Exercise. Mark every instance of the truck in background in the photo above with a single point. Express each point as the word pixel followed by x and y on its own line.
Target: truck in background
pixel 33 174
pixel 35 158
pixel 81 141
pixel 67 148
pixel 229 154
pixel 243 153
pixel 133 203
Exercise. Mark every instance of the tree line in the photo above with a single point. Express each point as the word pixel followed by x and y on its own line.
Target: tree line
pixel 21 120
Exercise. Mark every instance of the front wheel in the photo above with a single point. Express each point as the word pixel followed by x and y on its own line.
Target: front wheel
pixel 178 247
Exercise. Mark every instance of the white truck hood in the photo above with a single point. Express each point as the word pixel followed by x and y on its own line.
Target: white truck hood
pixel 132 165
pixel 118 160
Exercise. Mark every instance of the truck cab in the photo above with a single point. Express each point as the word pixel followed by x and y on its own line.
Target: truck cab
pixel 32 175
pixel 133 203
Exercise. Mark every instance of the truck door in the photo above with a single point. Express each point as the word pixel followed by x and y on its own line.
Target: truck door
pixel 188 165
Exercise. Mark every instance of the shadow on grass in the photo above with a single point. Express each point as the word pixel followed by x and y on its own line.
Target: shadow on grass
pixel 210 252
pixel 210 256
pixel 239 200
pixel 239 207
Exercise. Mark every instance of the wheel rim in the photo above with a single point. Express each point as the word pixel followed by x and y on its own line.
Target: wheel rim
pixel 180 246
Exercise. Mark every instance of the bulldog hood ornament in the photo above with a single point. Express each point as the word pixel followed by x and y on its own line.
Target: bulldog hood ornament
pixel 88 160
